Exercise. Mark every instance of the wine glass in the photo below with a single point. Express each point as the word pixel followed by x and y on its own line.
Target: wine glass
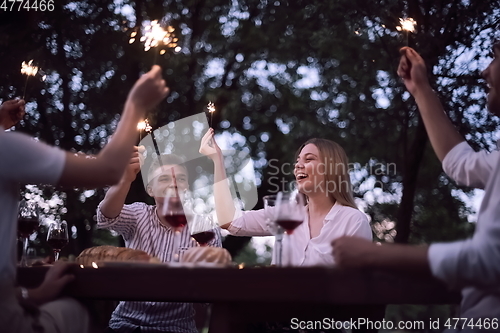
pixel 202 228
pixel 173 211
pixel 290 213
pixel 28 221
pixel 274 228
pixel 57 237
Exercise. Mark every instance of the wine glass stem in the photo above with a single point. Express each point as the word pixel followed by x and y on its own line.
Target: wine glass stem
pixel 56 256
pixel 24 257
pixel 177 243
pixel 279 249
pixel 289 250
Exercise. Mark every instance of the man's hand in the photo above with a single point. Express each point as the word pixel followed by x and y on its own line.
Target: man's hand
pixel 413 71
pixel 149 90
pixel 11 112
pixel 56 279
pixel 134 165
pixel 208 146
pixel 353 252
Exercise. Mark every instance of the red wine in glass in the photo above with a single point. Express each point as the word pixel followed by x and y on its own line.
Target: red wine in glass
pixel 26 226
pixel 57 237
pixel 173 213
pixel 176 220
pixel 57 243
pixel 204 237
pixel 289 225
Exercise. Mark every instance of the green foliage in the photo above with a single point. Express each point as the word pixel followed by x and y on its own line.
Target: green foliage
pixel 249 256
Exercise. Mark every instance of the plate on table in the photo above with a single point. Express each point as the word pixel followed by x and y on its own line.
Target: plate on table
pixel 130 264
pixel 196 265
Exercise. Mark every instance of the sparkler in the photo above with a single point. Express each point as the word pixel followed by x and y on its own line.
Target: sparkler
pixel 211 110
pixel 154 36
pixel 29 70
pixel 143 126
pixel 407 25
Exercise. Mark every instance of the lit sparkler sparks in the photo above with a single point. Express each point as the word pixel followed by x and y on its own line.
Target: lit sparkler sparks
pixel 407 25
pixel 211 110
pixel 155 36
pixel 143 126
pixel 29 69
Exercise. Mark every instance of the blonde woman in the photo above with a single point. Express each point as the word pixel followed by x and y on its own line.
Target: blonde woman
pixel 321 173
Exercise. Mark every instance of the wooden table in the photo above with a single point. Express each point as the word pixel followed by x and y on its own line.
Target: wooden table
pixel 256 294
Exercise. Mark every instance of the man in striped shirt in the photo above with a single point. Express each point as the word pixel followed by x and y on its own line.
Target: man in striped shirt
pixel 143 228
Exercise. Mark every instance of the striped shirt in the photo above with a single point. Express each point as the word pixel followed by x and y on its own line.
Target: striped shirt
pixel 141 229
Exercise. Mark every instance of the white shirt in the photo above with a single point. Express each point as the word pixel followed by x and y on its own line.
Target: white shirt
pixel 474 264
pixel 22 160
pixel 307 251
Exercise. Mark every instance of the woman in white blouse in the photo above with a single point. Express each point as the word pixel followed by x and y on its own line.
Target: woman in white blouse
pixel 322 176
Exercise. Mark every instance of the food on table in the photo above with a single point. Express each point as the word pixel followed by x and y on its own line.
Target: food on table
pixel 112 253
pixel 204 254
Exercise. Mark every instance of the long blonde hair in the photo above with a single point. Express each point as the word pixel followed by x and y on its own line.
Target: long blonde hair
pixel 337 179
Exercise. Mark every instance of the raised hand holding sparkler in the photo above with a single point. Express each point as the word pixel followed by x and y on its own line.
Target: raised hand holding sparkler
pixel 407 25
pixel 11 112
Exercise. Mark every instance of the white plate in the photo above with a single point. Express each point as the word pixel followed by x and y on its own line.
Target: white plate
pixel 143 264
pixel 196 265
pixel 128 264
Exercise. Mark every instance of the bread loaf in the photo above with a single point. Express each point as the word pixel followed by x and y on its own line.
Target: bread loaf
pixel 112 253
pixel 207 254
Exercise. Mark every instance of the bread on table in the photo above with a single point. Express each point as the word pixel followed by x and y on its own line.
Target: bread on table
pixel 112 253
pixel 207 254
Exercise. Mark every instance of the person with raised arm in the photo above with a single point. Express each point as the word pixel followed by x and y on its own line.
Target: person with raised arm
pixel 470 264
pixel 322 177
pixel 144 227
pixel 26 161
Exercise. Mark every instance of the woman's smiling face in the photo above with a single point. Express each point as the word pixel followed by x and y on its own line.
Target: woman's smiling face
pixel 309 170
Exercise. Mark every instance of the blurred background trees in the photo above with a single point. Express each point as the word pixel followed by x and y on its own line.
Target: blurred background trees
pixel 279 72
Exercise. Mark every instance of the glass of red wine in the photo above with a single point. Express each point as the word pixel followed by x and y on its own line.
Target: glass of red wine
pixel 28 221
pixel 274 228
pixel 202 228
pixel 176 214
pixel 57 237
pixel 290 213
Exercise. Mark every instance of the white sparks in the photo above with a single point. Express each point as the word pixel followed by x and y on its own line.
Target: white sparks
pixel 28 68
pixel 155 36
pixel 407 24
pixel 211 107
pixel 144 126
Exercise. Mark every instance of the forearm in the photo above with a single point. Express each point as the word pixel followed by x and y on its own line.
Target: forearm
pixel 114 200
pixel 442 134
pixel 224 205
pixel 108 166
